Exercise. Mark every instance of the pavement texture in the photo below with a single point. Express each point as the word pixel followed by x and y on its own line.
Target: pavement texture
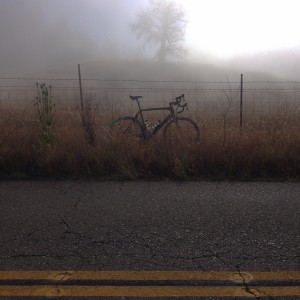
pixel 203 226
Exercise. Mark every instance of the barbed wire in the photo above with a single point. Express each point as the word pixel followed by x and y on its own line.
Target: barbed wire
pixel 151 89
pixel 150 81
pixel 207 95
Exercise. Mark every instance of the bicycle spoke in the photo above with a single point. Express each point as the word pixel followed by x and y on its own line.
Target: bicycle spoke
pixel 181 131
pixel 126 129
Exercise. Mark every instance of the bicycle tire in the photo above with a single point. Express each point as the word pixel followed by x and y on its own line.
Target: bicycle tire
pixel 183 131
pixel 127 128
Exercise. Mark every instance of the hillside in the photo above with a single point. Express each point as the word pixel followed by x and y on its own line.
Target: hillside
pixel 148 71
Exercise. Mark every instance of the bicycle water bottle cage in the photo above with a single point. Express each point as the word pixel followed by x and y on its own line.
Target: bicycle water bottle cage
pixel 135 97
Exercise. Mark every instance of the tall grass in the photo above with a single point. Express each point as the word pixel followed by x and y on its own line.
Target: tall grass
pixel 267 147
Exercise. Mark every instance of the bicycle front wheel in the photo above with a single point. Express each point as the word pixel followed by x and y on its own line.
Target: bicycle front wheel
pixel 181 131
pixel 127 128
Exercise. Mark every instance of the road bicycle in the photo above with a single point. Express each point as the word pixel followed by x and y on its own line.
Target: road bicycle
pixel 175 129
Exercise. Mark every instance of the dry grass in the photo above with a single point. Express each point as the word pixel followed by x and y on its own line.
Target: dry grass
pixel 267 147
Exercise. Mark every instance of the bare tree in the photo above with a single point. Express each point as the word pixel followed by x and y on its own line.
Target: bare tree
pixel 162 25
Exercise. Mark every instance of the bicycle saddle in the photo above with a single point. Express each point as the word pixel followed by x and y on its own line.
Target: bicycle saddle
pixel 135 97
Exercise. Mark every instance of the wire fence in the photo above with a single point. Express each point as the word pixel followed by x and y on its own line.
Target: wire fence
pixel 202 96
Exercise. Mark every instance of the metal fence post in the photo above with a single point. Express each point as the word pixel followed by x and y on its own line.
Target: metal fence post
pixel 80 89
pixel 241 103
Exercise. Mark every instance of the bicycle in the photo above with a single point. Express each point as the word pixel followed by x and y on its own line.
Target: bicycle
pixel 176 129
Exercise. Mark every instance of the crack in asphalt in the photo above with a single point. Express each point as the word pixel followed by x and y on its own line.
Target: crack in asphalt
pixel 64 275
pixel 128 243
pixel 217 255
pixel 119 244
pixel 27 236
pixel 254 292
pixel 16 239
pixel 31 256
pixel 67 228
pixel 153 252
pixel 77 200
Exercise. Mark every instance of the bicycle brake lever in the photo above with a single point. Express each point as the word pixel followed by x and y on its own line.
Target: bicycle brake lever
pixel 179 99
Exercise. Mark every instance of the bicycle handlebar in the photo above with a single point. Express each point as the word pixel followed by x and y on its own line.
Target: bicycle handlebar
pixel 182 108
pixel 179 99
pixel 178 103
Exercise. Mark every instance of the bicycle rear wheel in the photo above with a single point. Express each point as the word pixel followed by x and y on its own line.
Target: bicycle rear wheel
pixel 127 128
pixel 182 131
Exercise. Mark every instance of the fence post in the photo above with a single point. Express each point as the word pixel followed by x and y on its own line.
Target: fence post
pixel 241 103
pixel 80 90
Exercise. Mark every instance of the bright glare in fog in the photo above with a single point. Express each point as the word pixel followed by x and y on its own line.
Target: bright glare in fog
pixel 234 27
pixel 59 33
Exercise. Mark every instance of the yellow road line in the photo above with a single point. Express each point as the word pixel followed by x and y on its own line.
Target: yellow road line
pixel 147 275
pixel 234 289
pixel 149 291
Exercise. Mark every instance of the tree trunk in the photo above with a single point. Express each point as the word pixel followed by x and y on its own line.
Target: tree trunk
pixel 162 51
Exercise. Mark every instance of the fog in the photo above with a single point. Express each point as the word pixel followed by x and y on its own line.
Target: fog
pixel 43 35
pixel 53 36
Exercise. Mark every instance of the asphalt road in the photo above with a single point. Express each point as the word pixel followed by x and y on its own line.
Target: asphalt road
pixel 116 225
pixel 200 226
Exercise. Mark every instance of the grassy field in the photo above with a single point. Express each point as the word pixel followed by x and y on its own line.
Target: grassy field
pixel 267 147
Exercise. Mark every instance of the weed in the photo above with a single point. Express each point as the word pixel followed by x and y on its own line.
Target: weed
pixel 88 114
pixel 46 111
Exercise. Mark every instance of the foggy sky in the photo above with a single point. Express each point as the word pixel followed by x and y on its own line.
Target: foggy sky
pixel 40 35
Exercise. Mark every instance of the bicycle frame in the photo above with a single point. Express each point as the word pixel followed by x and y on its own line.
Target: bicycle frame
pixel 170 116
